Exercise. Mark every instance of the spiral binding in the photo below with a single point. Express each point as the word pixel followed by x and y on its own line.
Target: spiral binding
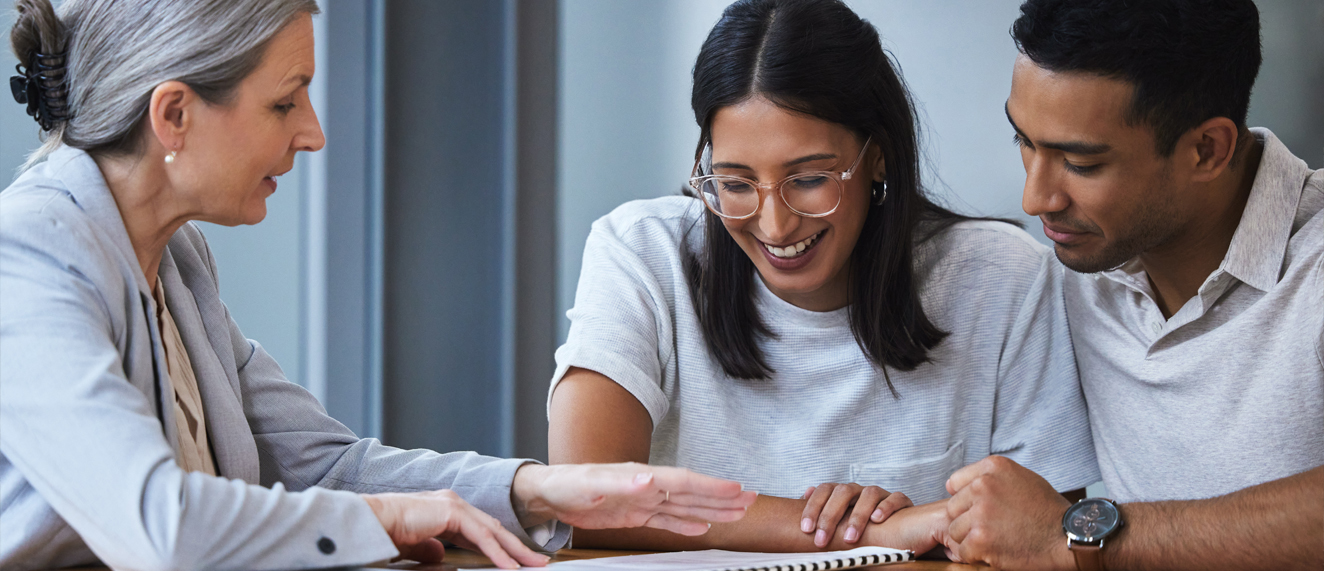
pixel 847 563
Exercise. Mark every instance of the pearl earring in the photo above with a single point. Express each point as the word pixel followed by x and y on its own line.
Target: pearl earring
pixel 170 158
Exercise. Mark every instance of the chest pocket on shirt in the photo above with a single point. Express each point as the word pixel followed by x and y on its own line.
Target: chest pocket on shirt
pixel 923 481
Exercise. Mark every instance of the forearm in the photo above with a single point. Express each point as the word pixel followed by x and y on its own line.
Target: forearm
pixel 772 525
pixel 1277 525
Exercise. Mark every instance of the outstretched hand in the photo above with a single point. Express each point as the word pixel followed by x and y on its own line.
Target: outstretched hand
pixel 605 496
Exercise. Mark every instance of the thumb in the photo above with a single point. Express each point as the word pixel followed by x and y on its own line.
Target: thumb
pixel 964 476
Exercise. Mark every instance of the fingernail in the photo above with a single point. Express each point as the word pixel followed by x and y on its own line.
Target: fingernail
pixel 643 478
pixel 852 534
pixel 820 538
pixel 877 516
pixel 806 525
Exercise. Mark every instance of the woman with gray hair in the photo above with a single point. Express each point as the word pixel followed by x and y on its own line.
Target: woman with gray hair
pixel 138 426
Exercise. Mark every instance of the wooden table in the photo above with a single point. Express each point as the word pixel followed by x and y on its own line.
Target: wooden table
pixel 460 559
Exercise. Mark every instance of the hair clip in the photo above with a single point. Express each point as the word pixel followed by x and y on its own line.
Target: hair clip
pixel 41 86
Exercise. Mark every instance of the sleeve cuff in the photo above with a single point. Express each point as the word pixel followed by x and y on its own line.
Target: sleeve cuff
pixel 488 488
pixel 620 370
pixel 549 537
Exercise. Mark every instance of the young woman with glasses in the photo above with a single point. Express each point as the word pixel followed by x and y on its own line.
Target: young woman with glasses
pixel 806 315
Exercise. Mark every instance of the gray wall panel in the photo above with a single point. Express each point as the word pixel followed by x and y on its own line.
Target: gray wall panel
pixel 344 344
pixel 535 223
pixel 444 225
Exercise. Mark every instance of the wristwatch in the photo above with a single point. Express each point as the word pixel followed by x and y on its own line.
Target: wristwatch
pixel 1087 524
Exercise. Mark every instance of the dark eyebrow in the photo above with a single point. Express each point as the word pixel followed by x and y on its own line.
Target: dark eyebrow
pixel 1072 147
pixel 790 163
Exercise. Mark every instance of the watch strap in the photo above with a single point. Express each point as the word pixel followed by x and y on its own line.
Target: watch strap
pixel 1088 557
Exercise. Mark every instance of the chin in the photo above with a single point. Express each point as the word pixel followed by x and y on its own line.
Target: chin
pixel 1093 262
pixel 253 215
pixel 798 284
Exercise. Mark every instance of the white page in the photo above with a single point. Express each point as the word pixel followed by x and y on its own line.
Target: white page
pixel 712 560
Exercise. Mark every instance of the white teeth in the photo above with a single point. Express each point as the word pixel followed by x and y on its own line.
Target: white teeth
pixel 792 250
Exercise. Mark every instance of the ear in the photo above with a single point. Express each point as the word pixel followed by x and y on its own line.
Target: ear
pixel 1210 148
pixel 170 114
pixel 879 166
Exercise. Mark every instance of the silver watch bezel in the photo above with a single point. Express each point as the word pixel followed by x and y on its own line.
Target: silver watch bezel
pixel 1072 538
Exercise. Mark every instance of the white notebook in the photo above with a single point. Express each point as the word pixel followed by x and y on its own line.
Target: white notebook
pixel 718 560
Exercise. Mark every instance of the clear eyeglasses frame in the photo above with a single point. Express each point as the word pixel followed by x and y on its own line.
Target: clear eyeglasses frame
pixel 812 194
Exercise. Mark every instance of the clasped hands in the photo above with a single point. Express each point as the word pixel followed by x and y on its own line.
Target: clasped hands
pixel 1000 514
pixel 589 496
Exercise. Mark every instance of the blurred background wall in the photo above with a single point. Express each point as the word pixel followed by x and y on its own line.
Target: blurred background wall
pixel 416 272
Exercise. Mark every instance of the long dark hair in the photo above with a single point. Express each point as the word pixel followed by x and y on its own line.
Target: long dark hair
pixel 818 58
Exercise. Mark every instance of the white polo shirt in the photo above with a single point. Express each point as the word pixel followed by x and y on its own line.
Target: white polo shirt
pixel 1228 392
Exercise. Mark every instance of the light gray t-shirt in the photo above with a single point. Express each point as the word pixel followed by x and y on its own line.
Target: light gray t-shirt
pixel 1229 392
pixel 1003 382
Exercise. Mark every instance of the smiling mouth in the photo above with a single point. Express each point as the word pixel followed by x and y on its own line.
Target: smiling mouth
pixel 794 250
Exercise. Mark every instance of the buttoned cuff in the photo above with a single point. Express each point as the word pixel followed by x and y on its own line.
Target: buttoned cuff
pixel 487 487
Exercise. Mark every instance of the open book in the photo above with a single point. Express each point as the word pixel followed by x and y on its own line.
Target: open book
pixel 718 560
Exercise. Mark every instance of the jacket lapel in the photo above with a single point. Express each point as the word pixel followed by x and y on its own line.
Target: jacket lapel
pixel 207 342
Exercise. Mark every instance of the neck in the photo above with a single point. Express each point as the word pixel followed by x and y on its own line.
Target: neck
pixel 1178 268
pixel 832 296
pixel 150 210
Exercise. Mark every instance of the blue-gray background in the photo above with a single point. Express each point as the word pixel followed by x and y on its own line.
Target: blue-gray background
pixel 479 159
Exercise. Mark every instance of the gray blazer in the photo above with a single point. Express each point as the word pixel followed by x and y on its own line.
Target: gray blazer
pixel 87 468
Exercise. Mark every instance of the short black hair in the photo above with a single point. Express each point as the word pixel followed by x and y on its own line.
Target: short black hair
pixel 1188 60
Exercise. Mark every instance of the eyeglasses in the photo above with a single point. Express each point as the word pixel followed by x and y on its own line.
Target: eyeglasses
pixel 814 194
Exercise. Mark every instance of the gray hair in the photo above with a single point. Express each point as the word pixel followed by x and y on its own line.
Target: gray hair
pixel 120 50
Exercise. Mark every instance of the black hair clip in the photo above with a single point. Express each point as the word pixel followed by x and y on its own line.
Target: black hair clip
pixel 42 87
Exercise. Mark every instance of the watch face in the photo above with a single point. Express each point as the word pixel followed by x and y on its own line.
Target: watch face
pixel 1090 520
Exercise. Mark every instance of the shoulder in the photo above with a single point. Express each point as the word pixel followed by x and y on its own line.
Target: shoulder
pixel 985 268
pixel 651 228
pixel 53 251
pixel 663 215
pixel 982 248
pixel 35 200
pixel 38 216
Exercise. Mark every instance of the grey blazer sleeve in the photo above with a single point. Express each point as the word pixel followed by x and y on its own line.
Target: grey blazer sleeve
pixel 90 443
pixel 302 447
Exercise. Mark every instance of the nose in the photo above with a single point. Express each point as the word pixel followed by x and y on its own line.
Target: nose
pixel 309 137
pixel 1041 195
pixel 777 222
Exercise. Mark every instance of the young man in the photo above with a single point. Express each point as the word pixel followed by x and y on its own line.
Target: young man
pixel 1195 298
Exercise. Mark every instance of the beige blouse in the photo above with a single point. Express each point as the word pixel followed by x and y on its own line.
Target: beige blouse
pixel 194 453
